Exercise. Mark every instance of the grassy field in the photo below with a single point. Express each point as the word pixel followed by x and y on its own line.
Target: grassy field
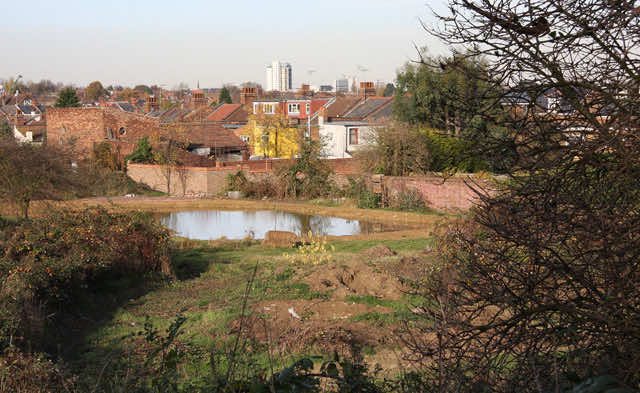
pixel 241 290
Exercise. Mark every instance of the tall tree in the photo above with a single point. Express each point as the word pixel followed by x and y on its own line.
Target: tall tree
pixel 143 89
pixel 95 90
pixel 540 288
pixel 225 96
pixel 67 98
pixel 388 90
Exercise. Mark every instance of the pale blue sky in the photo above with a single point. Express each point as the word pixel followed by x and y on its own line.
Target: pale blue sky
pixel 166 42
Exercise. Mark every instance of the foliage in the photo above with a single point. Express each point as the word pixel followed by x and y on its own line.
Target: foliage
pixel 29 172
pixel 142 152
pixel 399 149
pixel 225 96
pixel 95 181
pixel 389 89
pixel 272 135
pixel 47 262
pixel 33 373
pixel 143 89
pixel 408 199
pixel 396 150
pixel 67 98
pixel 236 181
pixel 95 91
pixel 43 87
pixel 308 175
pixel 6 132
pixel 365 198
pixel 313 251
pixel 539 289
pixel 104 157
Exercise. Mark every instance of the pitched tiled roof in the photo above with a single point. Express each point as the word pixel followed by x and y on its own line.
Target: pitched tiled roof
pixel 213 135
pixel 240 115
pixel 223 111
pixel 340 106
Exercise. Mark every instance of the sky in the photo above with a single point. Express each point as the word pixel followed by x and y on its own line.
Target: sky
pixel 164 42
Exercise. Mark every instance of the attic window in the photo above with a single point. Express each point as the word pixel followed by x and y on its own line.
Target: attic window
pixel 122 131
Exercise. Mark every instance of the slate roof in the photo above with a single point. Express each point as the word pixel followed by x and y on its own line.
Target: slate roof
pixel 125 106
pixel 382 114
pixel 367 107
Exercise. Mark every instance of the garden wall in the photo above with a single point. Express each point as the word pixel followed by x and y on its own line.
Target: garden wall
pixel 454 194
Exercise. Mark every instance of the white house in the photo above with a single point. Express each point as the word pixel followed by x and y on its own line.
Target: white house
pixel 345 133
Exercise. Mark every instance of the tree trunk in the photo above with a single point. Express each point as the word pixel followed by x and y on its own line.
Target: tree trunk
pixel 23 208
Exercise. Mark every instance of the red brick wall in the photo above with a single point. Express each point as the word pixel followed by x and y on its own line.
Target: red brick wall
pixel 88 126
pixel 452 194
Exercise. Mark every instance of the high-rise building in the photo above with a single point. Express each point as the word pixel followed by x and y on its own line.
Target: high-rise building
pixel 345 85
pixel 279 76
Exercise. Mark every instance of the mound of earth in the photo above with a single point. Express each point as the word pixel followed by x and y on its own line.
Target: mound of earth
pixel 325 325
pixel 354 278
pixel 379 251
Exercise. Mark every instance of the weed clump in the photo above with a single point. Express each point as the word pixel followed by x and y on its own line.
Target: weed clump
pixel 313 251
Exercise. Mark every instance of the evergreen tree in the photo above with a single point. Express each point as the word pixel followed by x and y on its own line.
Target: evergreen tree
pixel 67 98
pixel 388 90
pixel 142 153
pixel 225 96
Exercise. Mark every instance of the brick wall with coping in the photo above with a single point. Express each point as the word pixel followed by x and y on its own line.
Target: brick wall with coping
pixel 453 194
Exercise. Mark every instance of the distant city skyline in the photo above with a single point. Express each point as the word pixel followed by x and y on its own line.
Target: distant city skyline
pixel 164 43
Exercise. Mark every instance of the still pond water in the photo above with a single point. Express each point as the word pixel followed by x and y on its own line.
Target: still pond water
pixel 216 224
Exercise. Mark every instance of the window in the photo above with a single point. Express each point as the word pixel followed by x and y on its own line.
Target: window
pixel 109 133
pixel 64 130
pixel 268 109
pixel 245 139
pixel 353 136
pixel 255 108
pixel 308 108
pixel 294 108
pixel 122 131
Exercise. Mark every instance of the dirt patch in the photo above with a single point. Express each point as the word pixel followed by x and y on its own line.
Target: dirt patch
pixel 354 278
pixel 325 325
pixel 379 251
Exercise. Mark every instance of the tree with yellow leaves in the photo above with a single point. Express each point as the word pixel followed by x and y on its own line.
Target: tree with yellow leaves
pixel 271 133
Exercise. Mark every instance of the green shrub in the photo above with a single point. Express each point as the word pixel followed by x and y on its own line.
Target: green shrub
pixel 46 263
pixel 236 181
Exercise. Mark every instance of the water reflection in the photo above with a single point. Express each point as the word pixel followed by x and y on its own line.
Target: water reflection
pixel 215 224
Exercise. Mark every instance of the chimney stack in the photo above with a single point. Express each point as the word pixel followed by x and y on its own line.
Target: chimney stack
pixel 248 95
pixel 367 89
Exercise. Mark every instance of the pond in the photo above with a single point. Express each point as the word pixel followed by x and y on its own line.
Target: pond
pixel 239 224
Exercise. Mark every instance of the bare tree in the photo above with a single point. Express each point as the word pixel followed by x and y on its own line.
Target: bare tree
pixel 540 288
pixel 172 142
